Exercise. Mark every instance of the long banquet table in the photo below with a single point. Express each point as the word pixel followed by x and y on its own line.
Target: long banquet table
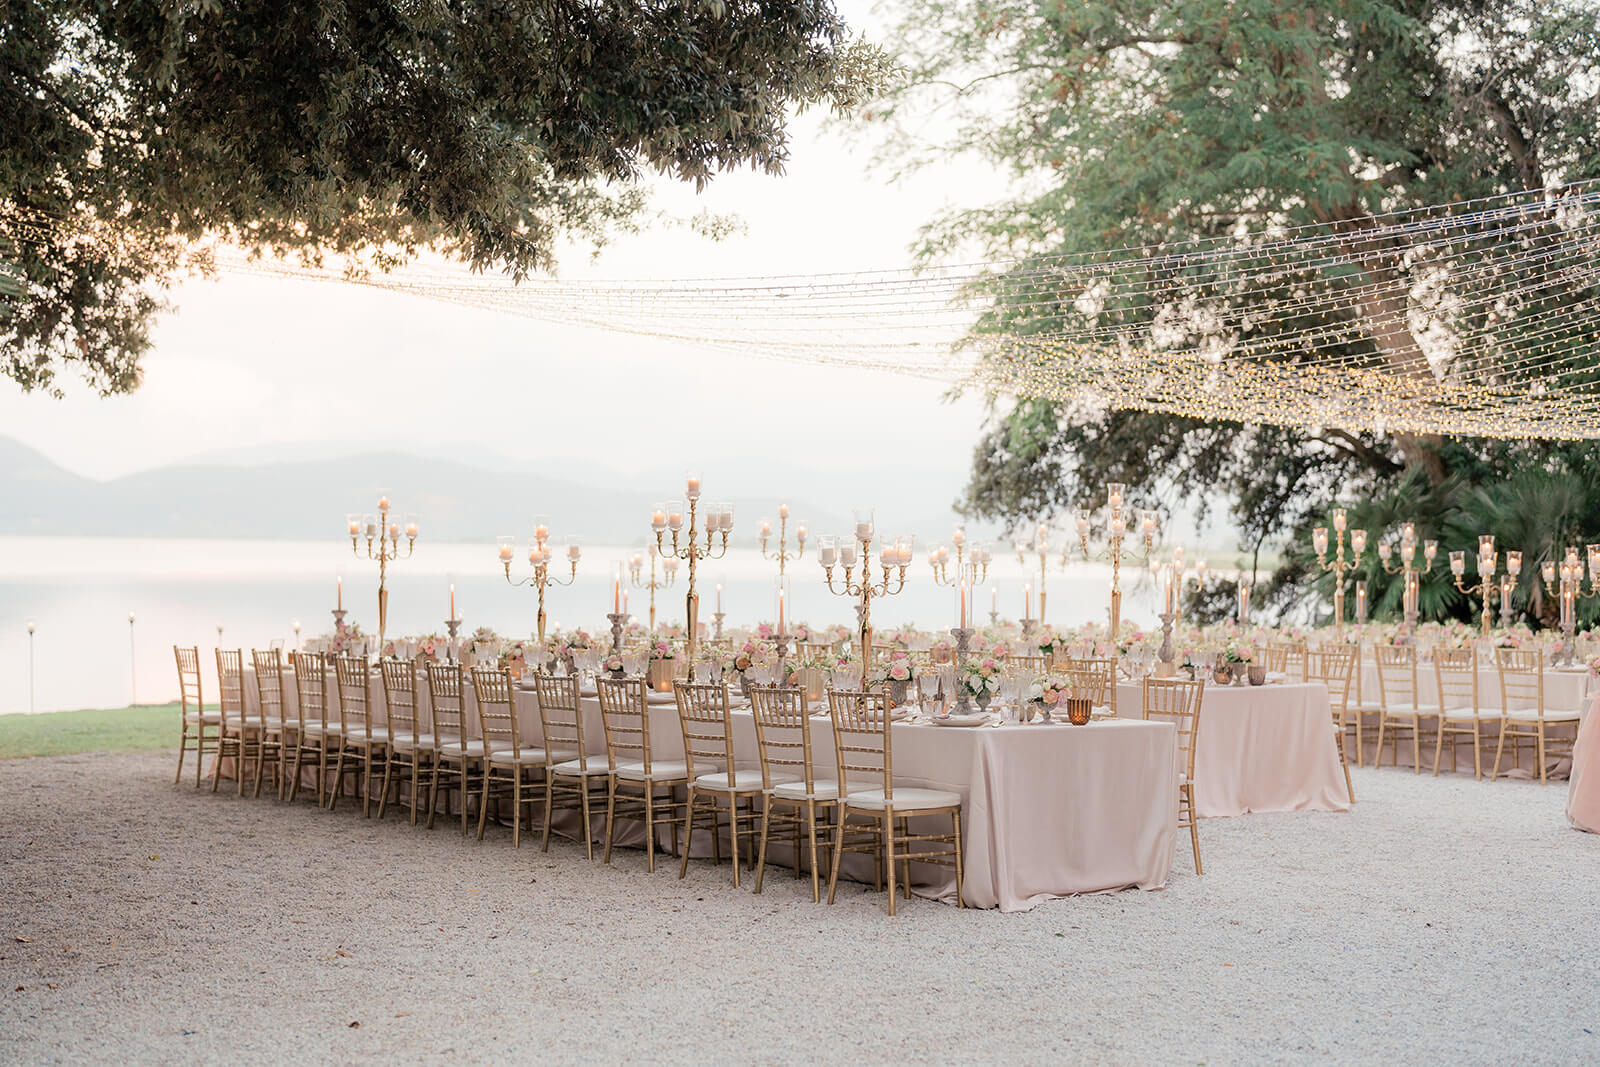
pixel 1047 810
pixel 1260 748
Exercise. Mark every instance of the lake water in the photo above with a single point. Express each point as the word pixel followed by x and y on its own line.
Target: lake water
pixel 80 591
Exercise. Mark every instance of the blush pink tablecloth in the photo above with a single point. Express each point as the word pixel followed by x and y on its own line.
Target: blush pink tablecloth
pixel 1047 810
pixel 1260 748
pixel 1583 790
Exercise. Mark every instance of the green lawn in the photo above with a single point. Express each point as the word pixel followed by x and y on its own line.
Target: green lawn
pixel 59 733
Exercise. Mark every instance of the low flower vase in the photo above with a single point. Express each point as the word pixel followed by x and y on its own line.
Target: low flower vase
pixel 943 656
pixel 1258 674
pixel 1222 675
pixel 1241 674
pixel 659 675
pixel 1079 710
pixel 897 692
pixel 982 700
pixel 1034 710
pixel 744 683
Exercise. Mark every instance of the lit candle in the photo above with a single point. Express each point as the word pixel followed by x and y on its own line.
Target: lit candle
pixel 1358 541
pixel 828 554
pixel 847 553
pixel 1319 540
pixel 1171 597
pixel 541 533
pixel 658 518
pixel 783 511
pixel 1458 563
pixel 616 595
pixel 411 530
pixel 994 600
pixel 452 601
pixel 383 503
pixel 574 552
pixel 719 596
pixel 1114 494
pixel 355 525
pixel 800 534
pixel 1361 601
pixel 1027 603
pixel 1430 549
pixel 1384 551
pixel 505 552
pixel 959 538
pixel 394 531
pixel 372 527
pixel 624 601
pixel 1119 526
pixel 1514 564
pixel 339 594
pixel 1339 519
pixel 961 604
pixel 675 518
pixel 864 528
pixel 766 529
pixel 780 610
pixel 1083 525
pixel 693 490
pixel 1548 568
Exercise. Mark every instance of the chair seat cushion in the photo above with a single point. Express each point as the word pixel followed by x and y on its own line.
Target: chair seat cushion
pixel 1470 713
pixel 209 717
pixel 660 771
pixel 317 729
pixel 796 790
pixel 453 747
pixel 598 767
pixel 1532 715
pixel 905 800
pixel 1408 711
pixel 358 737
pixel 739 780
pixel 407 741
pixel 505 755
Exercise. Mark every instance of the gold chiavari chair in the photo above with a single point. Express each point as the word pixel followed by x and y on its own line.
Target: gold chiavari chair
pixel 1363 704
pixel 1402 702
pixel 411 740
pixel 458 759
pixel 1178 700
pixel 269 721
pixel 231 741
pixel 1294 660
pixel 1524 717
pixel 581 781
pixel 713 775
pixel 197 724
pixel 791 794
pixel 312 736
pixel 1461 713
pixel 1094 679
pixel 863 747
pixel 1274 658
pixel 1036 664
pixel 626 717
pixel 1333 667
pixel 361 737
pixel 813 650
pixel 510 766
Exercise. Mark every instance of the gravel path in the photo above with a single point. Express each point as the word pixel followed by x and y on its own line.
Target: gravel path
pixel 1443 919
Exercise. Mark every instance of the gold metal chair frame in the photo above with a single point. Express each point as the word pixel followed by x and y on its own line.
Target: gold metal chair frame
pixel 269 724
pixel 510 768
pixel 194 715
pixel 1397 684
pixel 458 761
pixel 1456 670
pixel 1334 667
pixel 783 737
pixel 626 716
pixel 1521 684
pixel 708 751
pixel 360 736
pixel 581 782
pixel 313 735
pixel 230 692
pixel 412 747
pixel 1178 701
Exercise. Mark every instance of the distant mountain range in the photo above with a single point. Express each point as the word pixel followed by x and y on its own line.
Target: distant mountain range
pixel 304 498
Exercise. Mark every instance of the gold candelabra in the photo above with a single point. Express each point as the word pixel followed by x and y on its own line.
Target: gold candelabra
pixel 669 568
pixel 539 557
pixel 858 548
pixel 782 554
pixel 719 519
pixel 383 545
pixel 1571 591
pixel 1338 566
pixel 1041 547
pixel 976 572
pixel 1116 533
pixel 1411 588
pixel 1487 587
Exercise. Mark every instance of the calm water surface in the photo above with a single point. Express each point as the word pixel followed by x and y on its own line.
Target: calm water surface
pixel 80 591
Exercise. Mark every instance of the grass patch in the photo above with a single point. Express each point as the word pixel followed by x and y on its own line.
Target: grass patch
pixel 61 733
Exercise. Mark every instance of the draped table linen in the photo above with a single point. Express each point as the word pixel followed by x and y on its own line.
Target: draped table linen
pixel 1583 790
pixel 1047 810
pixel 1260 748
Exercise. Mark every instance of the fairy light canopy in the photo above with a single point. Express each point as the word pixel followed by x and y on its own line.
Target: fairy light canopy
pixel 1479 319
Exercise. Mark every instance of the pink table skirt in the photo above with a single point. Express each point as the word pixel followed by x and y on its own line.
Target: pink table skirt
pixel 1260 748
pixel 1583 790
pixel 1047 811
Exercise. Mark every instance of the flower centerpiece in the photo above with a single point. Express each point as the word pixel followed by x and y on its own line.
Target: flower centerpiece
pixel 944 650
pixel 801 632
pixel 981 679
pixel 514 658
pixel 1237 657
pixel 663 658
pixel 895 673
pixel 484 645
pixel 347 639
pixel 1053 646
pixel 810 674
pixel 612 665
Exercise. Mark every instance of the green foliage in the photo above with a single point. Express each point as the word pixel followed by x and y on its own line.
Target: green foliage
pixel 1170 126
pixel 127 130
pixel 61 733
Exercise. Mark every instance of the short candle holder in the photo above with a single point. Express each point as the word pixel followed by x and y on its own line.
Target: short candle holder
pixel 1028 628
pixel 716 625
pixel 338 619
pixel 1166 656
pixel 452 626
pixel 781 641
pixel 617 619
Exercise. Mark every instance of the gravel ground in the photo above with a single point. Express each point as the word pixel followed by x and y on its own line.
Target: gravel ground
pixel 1442 920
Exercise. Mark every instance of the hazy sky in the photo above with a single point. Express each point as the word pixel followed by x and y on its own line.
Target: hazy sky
pixel 260 367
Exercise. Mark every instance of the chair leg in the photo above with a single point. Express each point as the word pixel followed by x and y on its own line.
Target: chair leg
pixel 683 862
pixel 955 823
pixel 838 852
pixel 183 746
pixel 1498 748
pixel 549 793
pixel 1416 744
pixel 1349 789
pixel 1383 725
pixel 611 813
pixel 1477 753
pixel 733 827
pixel 294 779
pixel 811 834
pixel 1438 748
pixel 483 799
pixel 761 851
pixel 588 825
pixel 888 849
pixel 1194 828
pixel 650 828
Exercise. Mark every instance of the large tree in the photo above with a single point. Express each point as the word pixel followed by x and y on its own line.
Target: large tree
pixel 486 130
pixel 1179 124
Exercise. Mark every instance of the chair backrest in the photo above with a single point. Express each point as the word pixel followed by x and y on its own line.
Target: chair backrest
pixel 1457 672
pixel 310 688
pixel 355 694
pixel 230 682
pixel 497 713
pixel 400 699
pixel 447 695
pixel 1028 663
pixel 861 743
pixel 1294 660
pixel 561 714
pixel 1521 679
pixel 269 681
pixel 626 719
pixel 783 733
pixel 1177 700
pixel 1094 679
pixel 1397 675
pixel 189 678
pixel 812 650
pixel 1274 657
pixel 1334 667
pixel 703 717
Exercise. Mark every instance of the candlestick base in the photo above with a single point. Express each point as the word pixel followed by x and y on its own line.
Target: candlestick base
pixel 338 619
pixel 963 636
pixel 1028 628
pixel 781 641
pixel 451 626
pixel 716 625
pixel 617 619
pixel 1166 655
pixel 994 618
